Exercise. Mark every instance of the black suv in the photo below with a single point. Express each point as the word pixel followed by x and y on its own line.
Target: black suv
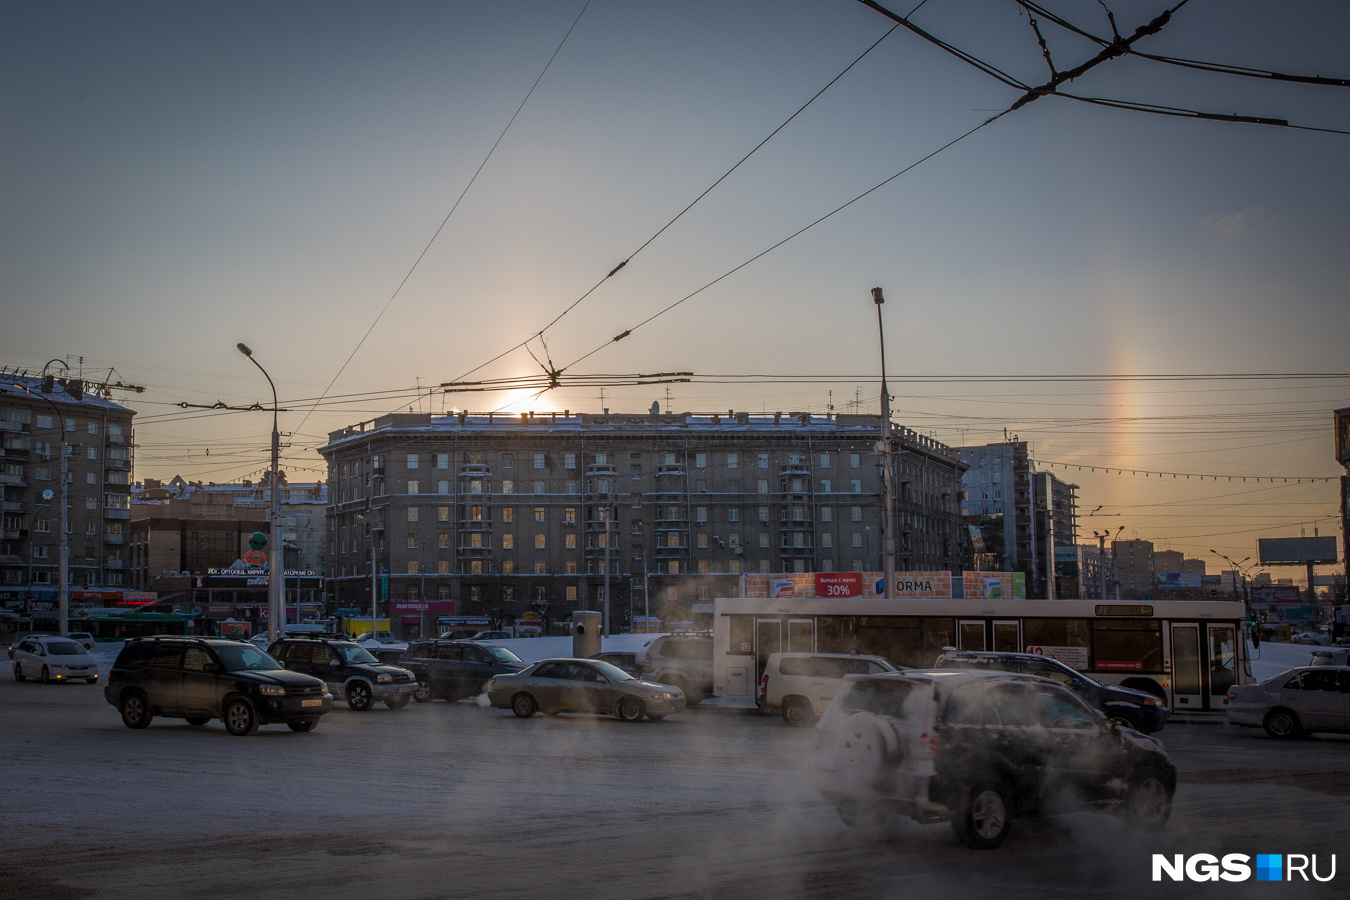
pixel 1133 709
pixel 455 669
pixel 979 748
pixel 200 679
pixel 348 669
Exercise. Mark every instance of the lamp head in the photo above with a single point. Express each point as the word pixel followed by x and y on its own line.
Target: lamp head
pixel 243 348
pixel 877 298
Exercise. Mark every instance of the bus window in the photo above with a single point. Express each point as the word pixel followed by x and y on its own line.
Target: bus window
pixel 1222 658
pixel 1127 645
pixel 1065 639
pixel 740 635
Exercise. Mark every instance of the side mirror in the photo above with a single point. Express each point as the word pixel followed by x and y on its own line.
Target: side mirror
pixel 334 662
pixel 1256 637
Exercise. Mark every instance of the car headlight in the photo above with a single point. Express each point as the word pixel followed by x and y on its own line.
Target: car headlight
pixel 1152 702
pixel 384 679
pixel 664 695
pixel 272 690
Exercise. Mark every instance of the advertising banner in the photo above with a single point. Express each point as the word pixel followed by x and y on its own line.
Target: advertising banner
pixel 1178 579
pixel 1282 594
pixel 839 584
pixel 995 585
pixel 780 587
pixel 917 586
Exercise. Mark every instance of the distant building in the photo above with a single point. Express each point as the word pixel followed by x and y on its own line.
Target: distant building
pixel 1134 568
pixel 504 515
pixel 98 436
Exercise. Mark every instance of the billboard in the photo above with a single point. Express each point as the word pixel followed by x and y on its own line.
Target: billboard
pixel 1343 436
pixel 1297 551
pixel 1178 579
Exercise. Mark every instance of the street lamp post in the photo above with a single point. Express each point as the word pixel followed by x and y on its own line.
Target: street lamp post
pixel 1237 570
pixel 887 514
pixel 276 570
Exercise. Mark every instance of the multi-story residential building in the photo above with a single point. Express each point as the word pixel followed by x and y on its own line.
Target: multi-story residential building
pixel 1000 500
pixel 499 515
pixel 185 535
pixel 98 438
pixel 1134 567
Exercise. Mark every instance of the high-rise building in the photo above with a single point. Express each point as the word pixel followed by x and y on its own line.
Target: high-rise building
pixel 500 515
pixel 36 414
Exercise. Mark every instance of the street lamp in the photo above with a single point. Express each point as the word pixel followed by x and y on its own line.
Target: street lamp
pixel 374 587
pixel 884 447
pixel 1237 570
pixel 276 571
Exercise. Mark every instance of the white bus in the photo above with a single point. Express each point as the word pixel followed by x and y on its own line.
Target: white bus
pixel 1187 653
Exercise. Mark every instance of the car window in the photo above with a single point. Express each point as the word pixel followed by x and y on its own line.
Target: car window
pixel 195 659
pixel 1015 707
pixel 612 672
pixel 304 654
pixel 885 698
pixel 970 706
pixel 475 655
pixel 165 656
pixel 1061 712
pixel 581 672
pixel 64 648
pixel 454 654
pixel 794 665
pixel 552 670
pixel 1319 681
pixel 501 654
pixel 245 658
pixel 1048 670
pixel 351 653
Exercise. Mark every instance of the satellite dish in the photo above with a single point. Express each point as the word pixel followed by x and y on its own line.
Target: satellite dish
pixel 656 407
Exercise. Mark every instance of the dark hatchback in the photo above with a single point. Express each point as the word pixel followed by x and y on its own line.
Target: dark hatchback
pixel 200 679
pixel 1125 706
pixel 348 669
pixel 453 670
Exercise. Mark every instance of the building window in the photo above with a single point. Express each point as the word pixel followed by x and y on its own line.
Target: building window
pixel 476 513
pixel 673 567
pixel 508 486
pixel 734 567
pixel 763 486
pixel 571 590
pixel 442 514
pixel 412 487
pixel 42 526
pixel 570 515
pixel 764 567
pixel 475 568
pixel 569 461
pixel 539 460
pixel 824 485
pixel 541 568
pixel 856 514
pixel 93 428
pixel 508 541
pixel 700 514
pixel 762 461
pixel 570 568
pixel 443 540
pixel 670 459
pixel 443 591
pixel 602 459
pixel 475 486
pixel 673 539
pixel 857 539
pixel 637 472
pixel 764 539
pixel 700 460
pixel 412 514
pixel 476 540
pixel 508 567
pixel 733 514
pixel 570 540
pixel 703 568
pixel 733 461
pixel 539 541
pixel 826 514
pixel 442 460
pixel 538 487
pixel 539 513
pixel 854 460
pixel 90 453
pixel 764 515
pixel 855 485
pixel 508 513
pixel 508 591
pixel 508 460
pixel 570 487
pixel 442 487
pixel 412 541
pixel 412 567
pixel 703 541
pixel 412 460
pixel 826 539
pixel 825 460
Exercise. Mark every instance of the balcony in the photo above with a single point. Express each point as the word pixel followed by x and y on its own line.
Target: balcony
pixel 12 426
pixel 601 470
pixel 117 465
pixel 16 534
pixel 476 524
pixel 790 471
pixel 475 552
pixel 120 488
pixel 112 564
pixel 474 470
pixel 13 506
pixel 108 538
pixel 669 471
pixel 15 480
pixel 109 513
pixel 667 551
pixel 17 453
pixel 786 550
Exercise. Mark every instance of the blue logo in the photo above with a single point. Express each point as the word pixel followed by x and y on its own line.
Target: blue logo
pixel 1269 867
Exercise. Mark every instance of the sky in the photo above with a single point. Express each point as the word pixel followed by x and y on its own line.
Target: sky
pixel 182 177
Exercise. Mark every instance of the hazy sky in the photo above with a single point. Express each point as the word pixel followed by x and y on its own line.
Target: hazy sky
pixel 180 177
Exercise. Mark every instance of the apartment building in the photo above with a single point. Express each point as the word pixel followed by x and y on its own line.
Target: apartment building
pixel 503 515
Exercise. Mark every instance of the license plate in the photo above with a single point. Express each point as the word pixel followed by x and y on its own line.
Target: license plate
pixel 311 703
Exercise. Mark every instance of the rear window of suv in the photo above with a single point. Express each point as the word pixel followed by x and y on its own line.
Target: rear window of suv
pixel 826 667
pixel 687 649
pixel 881 697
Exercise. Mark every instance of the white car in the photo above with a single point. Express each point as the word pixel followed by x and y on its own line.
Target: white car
pixel 83 638
pixel 53 659
pixel 1294 703
pixel 801 685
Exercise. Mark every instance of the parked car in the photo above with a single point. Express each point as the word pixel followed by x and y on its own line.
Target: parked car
pixel 50 659
pixel 452 670
pixel 680 660
pixel 623 659
pixel 582 685
pixel 22 637
pixel 348 670
pixel 1134 709
pixel 200 679
pixel 259 640
pixel 799 686
pixel 463 634
pixel 1334 657
pixel 978 749
pixel 1310 639
pixel 1295 703
pixel 381 637
pixel 490 636
pixel 83 638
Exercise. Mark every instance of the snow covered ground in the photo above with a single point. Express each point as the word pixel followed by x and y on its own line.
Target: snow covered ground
pixel 1270 659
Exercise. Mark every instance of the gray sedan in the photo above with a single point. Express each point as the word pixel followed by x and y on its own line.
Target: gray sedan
pixel 582 685
pixel 1294 703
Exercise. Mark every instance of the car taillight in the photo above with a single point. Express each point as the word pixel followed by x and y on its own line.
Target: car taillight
pixel 932 740
pixel 764 684
pixel 938 663
pixel 1232 695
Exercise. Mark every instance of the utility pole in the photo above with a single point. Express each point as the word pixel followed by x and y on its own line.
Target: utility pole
pixel 884 449
pixel 605 624
pixel 276 559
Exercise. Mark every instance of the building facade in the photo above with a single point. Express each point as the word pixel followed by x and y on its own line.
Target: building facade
pixel 36 415
pixel 503 515
pixel 1000 501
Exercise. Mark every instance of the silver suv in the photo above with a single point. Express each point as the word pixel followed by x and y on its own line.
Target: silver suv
pixel 684 661
pixel 800 686
pixel 979 748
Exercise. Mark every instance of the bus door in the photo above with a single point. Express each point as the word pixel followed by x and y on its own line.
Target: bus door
pixel 768 640
pixel 1188 689
pixel 801 636
pixel 1008 636
pixel 970 634
pixel 1222 661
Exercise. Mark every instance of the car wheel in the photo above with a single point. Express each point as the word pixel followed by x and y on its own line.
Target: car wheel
pixel 1283 724
pixel 1125 720
pixel 241 719
pixel 865 818
pixel 1149 804
pixel 631 710
pixel 198 720
pixel 985 816
pixel 359 697
pixel 18 673
pixel 304 725
pixel 135 710
pixel 45 677
pixel 524 706
pixel 398 701
pixel 796 711
pixel 424 693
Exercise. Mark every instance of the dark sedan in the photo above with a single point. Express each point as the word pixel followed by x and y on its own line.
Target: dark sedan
pixel 582 685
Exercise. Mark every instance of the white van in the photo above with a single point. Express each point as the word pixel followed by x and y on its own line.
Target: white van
pixel 801 685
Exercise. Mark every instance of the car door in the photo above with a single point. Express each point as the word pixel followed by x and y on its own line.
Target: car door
pixel 1315 694
pixel 197 683
pixel 1078 751
pixel 546 683
pixel 477 670
pixel 448 668
pixel 160 675
pixel 1019 739
pixel 585 689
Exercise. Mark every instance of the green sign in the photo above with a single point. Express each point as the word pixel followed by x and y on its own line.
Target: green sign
pixel 384 588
